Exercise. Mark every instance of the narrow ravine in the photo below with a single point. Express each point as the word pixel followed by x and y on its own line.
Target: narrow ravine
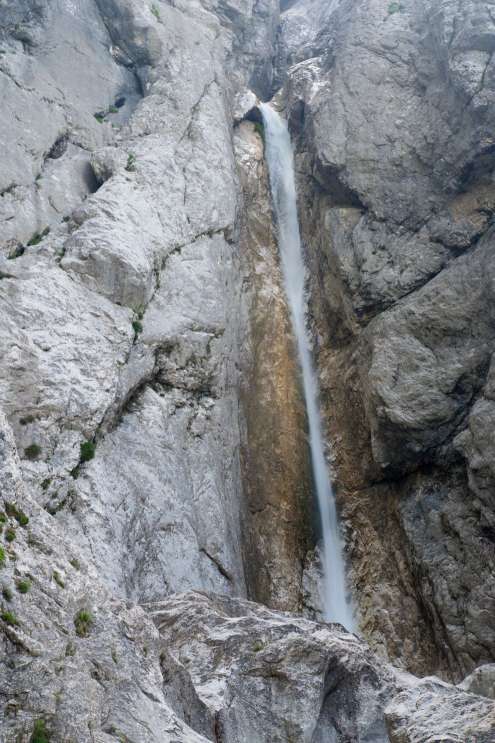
pixel 337 607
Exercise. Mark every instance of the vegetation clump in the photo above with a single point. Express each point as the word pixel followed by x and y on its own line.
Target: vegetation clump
pixel 32 451
pixel 7 593
pixel 87 452
pixel 9 618
pixel 2 557
pixel 23 585
pixel 83 622
pixel 40 733
pixel 137 326
pixel 38 237
pixel 88 449
pixel 155 12
pixel 10 534
pixel 58 579
pixel 131 163
pixel 394 8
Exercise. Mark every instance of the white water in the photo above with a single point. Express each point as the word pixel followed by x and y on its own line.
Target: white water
pixel 281 168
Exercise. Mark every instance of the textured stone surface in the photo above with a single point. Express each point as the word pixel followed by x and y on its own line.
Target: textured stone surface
pixel 432 711
pixel 391 107
pixel 262 676
pixel 99 684
pixel 121 310
pixel 143 317
pixel 275 454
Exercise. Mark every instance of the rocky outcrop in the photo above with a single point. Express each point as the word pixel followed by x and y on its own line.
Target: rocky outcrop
pixel 250 674
pixel 77 665
pixel 391 105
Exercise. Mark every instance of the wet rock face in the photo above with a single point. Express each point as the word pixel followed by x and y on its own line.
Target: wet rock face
pixel 275 455
pixel 391 106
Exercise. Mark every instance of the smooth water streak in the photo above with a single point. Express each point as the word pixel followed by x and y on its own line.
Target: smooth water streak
pixel 280 160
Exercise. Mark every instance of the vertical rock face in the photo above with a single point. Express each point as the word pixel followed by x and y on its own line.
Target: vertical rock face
pixel 121 281
pixel 392 107
pixel 275 453
pixel 152 431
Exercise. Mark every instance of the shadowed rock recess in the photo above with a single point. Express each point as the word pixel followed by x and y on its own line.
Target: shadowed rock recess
pixel 159 571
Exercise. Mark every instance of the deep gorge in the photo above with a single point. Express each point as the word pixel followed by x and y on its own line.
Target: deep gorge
pixel 166 583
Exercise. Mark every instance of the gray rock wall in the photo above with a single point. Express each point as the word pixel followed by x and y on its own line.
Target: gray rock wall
pixel 392 109
pixel 121 280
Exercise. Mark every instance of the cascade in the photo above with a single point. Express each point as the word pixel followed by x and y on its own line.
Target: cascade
pixel 280 160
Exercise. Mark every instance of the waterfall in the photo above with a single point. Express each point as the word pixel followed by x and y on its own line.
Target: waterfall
pixel 281 168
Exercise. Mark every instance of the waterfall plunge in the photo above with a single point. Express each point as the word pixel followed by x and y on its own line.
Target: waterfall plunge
pixel 281 168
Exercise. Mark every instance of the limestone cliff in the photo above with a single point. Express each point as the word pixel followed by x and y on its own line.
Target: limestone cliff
pixel 154 468
pixel 392 107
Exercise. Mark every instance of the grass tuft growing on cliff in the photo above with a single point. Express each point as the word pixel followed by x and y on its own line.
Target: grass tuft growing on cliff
pixel 58 579
pixel 83 622
pixel 38 237
pixel 88 450
pixel 131 163
pixel 9 618
pixel 2 557
pixel 32 451
pixel 40 733
pixel 23 585
pixel 394 8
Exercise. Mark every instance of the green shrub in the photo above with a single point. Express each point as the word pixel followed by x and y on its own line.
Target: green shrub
pixel 131 163
pixel 7 593
pixel 38 237
pixel 23 585
pixel 58 579
pixel 32 451
pixel 113 110
pixel 10 534
pixel 46 483
pixel 21 518
pixel 75 563
pixel 10 508
pixel 9 618
pixel 3 518
pixel 137 326
pixel 155 12
pixel 40 733
pixel 394 8
pixel 2 557
pixel 100 117
pixel 87 451
pixel 82 622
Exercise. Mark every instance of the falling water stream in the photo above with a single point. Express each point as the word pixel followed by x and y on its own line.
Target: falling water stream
pixel 281 168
